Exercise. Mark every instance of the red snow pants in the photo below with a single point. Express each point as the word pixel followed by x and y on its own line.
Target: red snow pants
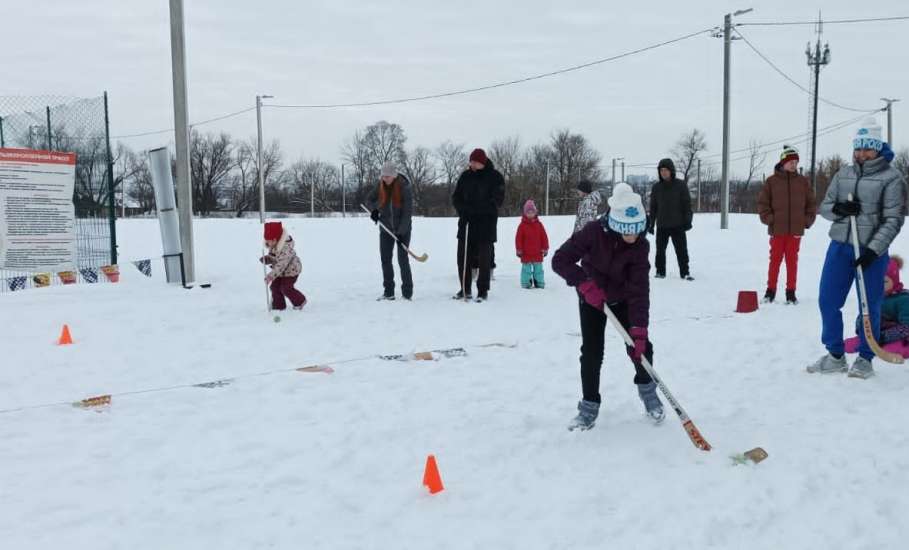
pixel 784 246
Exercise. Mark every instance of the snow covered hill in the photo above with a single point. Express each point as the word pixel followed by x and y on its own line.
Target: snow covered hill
pixel 275 458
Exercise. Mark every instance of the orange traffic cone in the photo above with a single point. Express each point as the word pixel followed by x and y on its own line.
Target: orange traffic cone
pixel 65 337
pixel 431 478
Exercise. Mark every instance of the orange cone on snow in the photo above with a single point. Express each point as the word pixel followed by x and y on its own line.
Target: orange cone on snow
pixel 431 478
pixel 65 337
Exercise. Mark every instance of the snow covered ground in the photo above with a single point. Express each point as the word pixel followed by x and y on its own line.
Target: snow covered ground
pixel 282 459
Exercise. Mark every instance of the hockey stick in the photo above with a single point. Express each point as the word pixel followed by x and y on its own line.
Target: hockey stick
pixel 264 276
pixel 464 267
pixel 885 355
pixel 421 258
pixel 693 433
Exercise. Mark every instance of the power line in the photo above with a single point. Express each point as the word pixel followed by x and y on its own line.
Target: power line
pixel 192 125
pixel 831 22
pixel 793 81
pixel 498 84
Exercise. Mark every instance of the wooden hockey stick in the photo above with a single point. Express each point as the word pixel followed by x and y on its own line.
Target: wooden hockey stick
pixel 421 258
pixel 693 433
pixel 885 355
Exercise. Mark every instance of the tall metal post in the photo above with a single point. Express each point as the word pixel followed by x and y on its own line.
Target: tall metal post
pixel 724 178
pixel 343 198
pixel 547 189
pixel 613 173
pixel 312 198
pixel 181 137
pixel 48 129
pixel 623 170
pixel 2 140
pixel 889 109
pixel 112 217
pixel 699 185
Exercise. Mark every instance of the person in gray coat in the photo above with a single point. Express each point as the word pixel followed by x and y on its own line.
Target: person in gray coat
pixel 391 202
pixel 875 193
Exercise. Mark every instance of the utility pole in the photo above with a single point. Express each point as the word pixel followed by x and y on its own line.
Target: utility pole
pixel 699 185
pixel 312 198
pixel 547 188
pixel 889 109
pixel 181 137
pixel 259 99
pixel 726 33
pixel 816 59
pixel 623 169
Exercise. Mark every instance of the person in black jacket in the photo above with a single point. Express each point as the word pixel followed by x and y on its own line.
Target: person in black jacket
pixel 670 216
pixel 477 199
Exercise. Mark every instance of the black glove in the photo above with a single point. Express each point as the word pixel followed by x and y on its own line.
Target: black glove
pixel 847 208
pixel 374 215
pixel 866 258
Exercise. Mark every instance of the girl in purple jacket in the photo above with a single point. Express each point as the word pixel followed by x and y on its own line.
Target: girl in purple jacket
pixel 614 271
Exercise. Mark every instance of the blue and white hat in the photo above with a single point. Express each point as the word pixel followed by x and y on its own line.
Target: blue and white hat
pixel 626 211
pixel 868 136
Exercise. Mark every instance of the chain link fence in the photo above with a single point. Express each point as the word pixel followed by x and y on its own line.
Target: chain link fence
pixel 71 125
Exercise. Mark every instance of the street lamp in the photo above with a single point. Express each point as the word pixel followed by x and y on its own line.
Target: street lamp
pixel 613 169
pixel 889 109
pixel 259 99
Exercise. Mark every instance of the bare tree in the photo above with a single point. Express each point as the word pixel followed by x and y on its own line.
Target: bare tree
pixel 421 171
pixel 756 159
pixel 901 162
pixel 572 159
pixel 243 186
pixel 354 152
pixel 314 179
pixel 506 154
pixel 210 162
pixel 687 150
pixel 452 159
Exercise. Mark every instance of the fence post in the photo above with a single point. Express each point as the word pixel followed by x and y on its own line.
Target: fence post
pixel 48 129
pixel 2 141
pixel 112 211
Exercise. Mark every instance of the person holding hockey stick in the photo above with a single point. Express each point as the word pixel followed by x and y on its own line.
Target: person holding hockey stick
pixel 874 194
pixel 477 198
pixel 391 202
pixel 786 205
pixel 614 271
pixel 285 267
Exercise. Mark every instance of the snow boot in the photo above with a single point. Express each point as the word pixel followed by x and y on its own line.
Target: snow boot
pixel 770 296
pixel 688 277
pixel 384 297
pixel 861 368
pixel 828 364
pixel 482 297
pixel 460 296
pixel 652 403
pixel 660 275
pixel 587 416
pixel 790 298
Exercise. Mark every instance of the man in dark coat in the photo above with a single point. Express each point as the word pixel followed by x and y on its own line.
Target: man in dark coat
pixel 670 216
pixel 477 199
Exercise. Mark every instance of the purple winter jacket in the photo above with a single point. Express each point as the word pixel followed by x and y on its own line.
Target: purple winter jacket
pixel 622 270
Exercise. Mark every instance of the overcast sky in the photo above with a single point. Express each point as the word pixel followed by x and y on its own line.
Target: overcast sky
pixel 330 51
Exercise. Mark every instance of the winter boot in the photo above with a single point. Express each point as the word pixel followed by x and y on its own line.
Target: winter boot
pixel 770 296
pixel 587 416
pixel 660 275
pixel 828 364
pixel 688 277
pixel 460 296
pixel 652 403
pixel 861 369
pixel 482 297
pixel 384 297
pixel 790 298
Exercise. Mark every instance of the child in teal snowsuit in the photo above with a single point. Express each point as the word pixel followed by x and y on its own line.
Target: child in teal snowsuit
pixel 532 245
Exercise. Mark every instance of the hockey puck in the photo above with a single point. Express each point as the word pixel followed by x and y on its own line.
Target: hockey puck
pixel 277 318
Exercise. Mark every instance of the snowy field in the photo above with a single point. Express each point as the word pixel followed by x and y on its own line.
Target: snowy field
pixel 283 459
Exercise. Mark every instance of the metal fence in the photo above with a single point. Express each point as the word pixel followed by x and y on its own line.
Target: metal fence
pixel 72 125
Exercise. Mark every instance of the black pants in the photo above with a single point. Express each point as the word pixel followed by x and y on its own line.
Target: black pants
pixel 483 254
pixel 386 249
pixel 593 334
pixel 679 243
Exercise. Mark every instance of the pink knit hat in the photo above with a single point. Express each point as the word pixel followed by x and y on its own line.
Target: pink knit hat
pixel 530 206
pixel 893 273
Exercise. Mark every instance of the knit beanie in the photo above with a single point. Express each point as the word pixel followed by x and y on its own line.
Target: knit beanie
pixel 585 186
pixel 789 153
pixel 626 211
pixel 389 170
pixel 868 136
pixel 273 231
pixel 478 155
pixel 530 206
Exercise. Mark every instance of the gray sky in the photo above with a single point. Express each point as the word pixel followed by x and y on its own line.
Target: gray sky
pixel 324 51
